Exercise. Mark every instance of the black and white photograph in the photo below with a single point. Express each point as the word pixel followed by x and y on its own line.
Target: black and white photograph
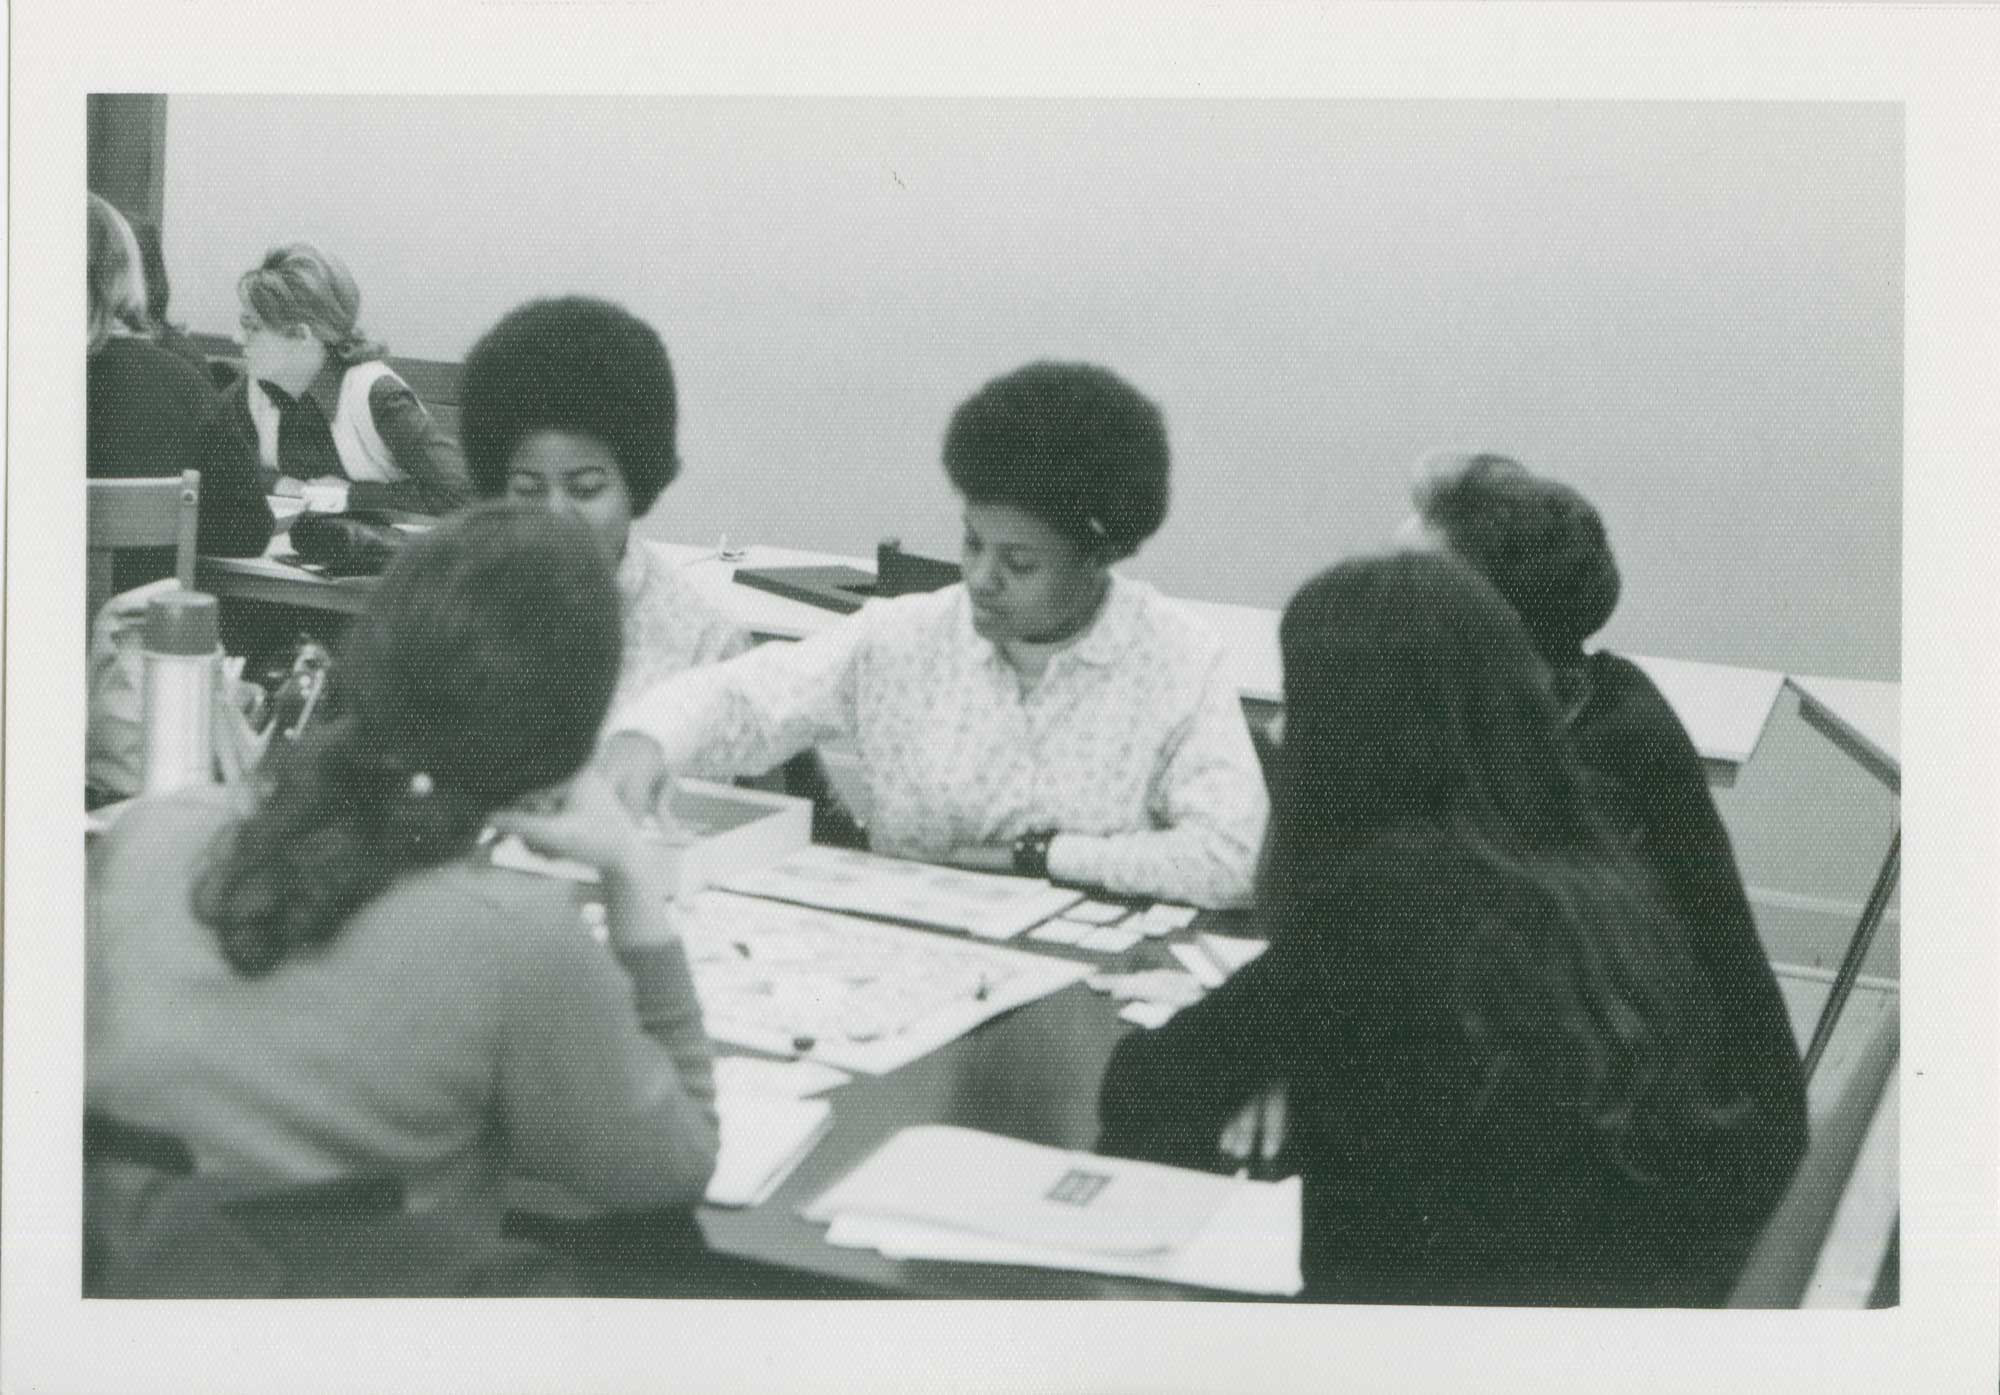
pixel 715 711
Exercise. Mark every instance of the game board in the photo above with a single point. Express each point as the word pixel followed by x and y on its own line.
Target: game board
pixel 851 993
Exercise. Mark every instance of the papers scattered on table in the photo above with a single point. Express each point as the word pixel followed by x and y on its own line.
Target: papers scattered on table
pixel 1173 917
pixel 764 1137
pixel 981 903
pixel 753 1075
pixel 1097 912
pixel 1213 958
pixel 1111 939
pixel 1153 986
pixel 1157 994
pixel 1060 931
pixel 937 1192
pixel 851 993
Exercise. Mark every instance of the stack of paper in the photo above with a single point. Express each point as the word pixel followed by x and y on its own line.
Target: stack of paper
pixel 938 1192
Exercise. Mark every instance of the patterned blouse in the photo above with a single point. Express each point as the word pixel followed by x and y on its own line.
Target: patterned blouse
pixel 670 627
pixel 1132 744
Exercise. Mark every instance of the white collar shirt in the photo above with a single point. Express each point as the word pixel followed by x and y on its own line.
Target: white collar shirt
pixel 1132 746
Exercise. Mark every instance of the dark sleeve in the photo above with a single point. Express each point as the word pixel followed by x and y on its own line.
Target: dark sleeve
pixel 438 483
pixel 235 516
pixel 1323 1010
pixel 1168 1093
pixel 1630 734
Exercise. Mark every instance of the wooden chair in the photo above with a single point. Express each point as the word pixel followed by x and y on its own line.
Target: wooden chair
pixel 140 513
pixel 1789 1255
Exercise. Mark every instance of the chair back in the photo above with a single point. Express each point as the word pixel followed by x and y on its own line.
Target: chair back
pixel 157 1227
pixel 1787 1256
pixel 140 513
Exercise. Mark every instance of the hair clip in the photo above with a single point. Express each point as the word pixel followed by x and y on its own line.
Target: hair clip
pixel 421 785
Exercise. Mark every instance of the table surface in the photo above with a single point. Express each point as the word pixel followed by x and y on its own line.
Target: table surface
pixel 1032 1073
pixel 1725 709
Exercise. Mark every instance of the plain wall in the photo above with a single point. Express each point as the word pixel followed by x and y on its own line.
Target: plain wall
pixel 1692 312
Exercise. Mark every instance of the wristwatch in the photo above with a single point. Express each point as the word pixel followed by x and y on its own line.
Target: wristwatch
pixel 1031 852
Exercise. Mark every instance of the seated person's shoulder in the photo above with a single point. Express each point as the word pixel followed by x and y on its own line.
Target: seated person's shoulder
pixel 914 622
pixel 1622 682
pixel 168 829
pixel 508 918
pixel 510 895
pixel 1627 719
pixel 1169 639
pixel 673 618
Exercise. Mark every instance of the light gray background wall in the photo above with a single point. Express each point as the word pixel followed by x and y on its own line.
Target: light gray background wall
pixel 1690 311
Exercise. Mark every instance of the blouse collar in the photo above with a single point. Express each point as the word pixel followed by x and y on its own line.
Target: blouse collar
pixel 1109 637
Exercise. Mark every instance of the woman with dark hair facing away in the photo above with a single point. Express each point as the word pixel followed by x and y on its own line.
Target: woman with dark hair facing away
pixel 327 977
pixel 1477 1035
pixel 318 402
pixel 569 404
pixel 1543 548
pixel 147 410
pixel 1046 716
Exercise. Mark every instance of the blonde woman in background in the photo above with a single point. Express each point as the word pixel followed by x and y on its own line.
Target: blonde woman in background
pixel 318 402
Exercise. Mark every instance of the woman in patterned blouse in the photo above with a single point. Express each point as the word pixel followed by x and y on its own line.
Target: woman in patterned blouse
pixel 1046 715
pixel 570 403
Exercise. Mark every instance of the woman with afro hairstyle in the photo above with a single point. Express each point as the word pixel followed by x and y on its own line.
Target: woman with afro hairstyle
pixel 1046 715
pixel 1543 548
pixel 569 404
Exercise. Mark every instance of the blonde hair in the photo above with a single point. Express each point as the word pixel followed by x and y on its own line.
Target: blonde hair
pixel 301 285
pixel 116 274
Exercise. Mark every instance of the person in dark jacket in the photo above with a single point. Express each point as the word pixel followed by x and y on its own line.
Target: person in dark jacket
pixel 1478 1035
pixel 319 401
pixel 1543 548
pixel 148 411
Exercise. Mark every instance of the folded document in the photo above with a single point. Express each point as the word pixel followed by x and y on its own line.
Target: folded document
pixel 1250 1245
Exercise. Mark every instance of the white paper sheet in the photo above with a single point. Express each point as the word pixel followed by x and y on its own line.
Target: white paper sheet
pixel 753 1075
pixel 1250 1245
pixel 1110 939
